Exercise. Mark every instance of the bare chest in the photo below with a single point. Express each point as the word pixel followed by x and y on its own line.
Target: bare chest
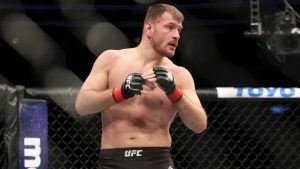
pixel 154 105
pixel 118 74
pixel 149 110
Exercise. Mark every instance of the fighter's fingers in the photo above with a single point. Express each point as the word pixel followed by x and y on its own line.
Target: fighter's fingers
pixel 148 76
pixel 150 81
pixel 148 72
pixel 149 87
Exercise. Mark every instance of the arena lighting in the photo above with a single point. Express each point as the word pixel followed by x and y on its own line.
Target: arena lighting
pixel 286 38
pixel 39 49
pixel 282 38
pixel 284 43
pixel 94 28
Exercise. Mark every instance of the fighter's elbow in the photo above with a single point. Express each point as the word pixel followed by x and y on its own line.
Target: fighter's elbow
pixel 201 126
pixel 79 109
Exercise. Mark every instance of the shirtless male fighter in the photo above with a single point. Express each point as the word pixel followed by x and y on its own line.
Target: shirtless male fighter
pixel 139 91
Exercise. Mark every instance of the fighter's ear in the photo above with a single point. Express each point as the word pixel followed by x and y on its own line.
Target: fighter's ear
pixel 148 28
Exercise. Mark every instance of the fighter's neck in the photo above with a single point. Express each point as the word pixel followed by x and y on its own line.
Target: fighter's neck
pixel 146 51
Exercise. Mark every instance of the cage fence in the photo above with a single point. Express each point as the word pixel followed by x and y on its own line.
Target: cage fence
pixel 241 133
pixel 1 140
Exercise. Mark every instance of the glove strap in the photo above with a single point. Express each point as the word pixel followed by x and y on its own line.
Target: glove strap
pixel 175 95
pixel 117 95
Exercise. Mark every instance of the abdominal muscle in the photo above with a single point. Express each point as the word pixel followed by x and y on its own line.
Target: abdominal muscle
pixel 124 135
pixel 136 124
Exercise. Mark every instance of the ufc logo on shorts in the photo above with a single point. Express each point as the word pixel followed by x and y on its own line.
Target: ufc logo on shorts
pixel 132 153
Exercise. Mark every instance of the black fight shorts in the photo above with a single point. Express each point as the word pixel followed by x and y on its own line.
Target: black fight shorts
pixel 136 158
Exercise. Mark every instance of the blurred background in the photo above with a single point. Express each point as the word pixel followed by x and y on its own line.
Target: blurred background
pixel 224 43
pixel 54 43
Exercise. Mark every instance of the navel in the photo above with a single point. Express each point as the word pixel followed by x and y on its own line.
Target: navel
pixel 161 102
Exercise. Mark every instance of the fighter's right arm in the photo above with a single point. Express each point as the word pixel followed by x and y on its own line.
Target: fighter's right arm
pixel 94 95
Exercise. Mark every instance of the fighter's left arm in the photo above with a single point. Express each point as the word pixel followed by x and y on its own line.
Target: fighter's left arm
pixel 189 106
pixel 181 91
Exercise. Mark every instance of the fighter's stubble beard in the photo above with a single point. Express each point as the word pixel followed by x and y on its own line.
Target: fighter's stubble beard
pixel 161 47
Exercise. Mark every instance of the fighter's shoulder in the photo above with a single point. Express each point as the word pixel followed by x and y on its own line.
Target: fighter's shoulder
pixel 175 69
pixel 182 76
pixel 111 55
pixel 180 70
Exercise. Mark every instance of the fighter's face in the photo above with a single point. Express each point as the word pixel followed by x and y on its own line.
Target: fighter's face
pixel 166 34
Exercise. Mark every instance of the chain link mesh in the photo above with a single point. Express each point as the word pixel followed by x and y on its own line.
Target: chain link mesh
pixel 240 134
pixel 73 140
pixel 1 141
pixel 249 135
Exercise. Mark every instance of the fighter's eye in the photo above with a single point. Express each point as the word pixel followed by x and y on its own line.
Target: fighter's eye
pixel 170 27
